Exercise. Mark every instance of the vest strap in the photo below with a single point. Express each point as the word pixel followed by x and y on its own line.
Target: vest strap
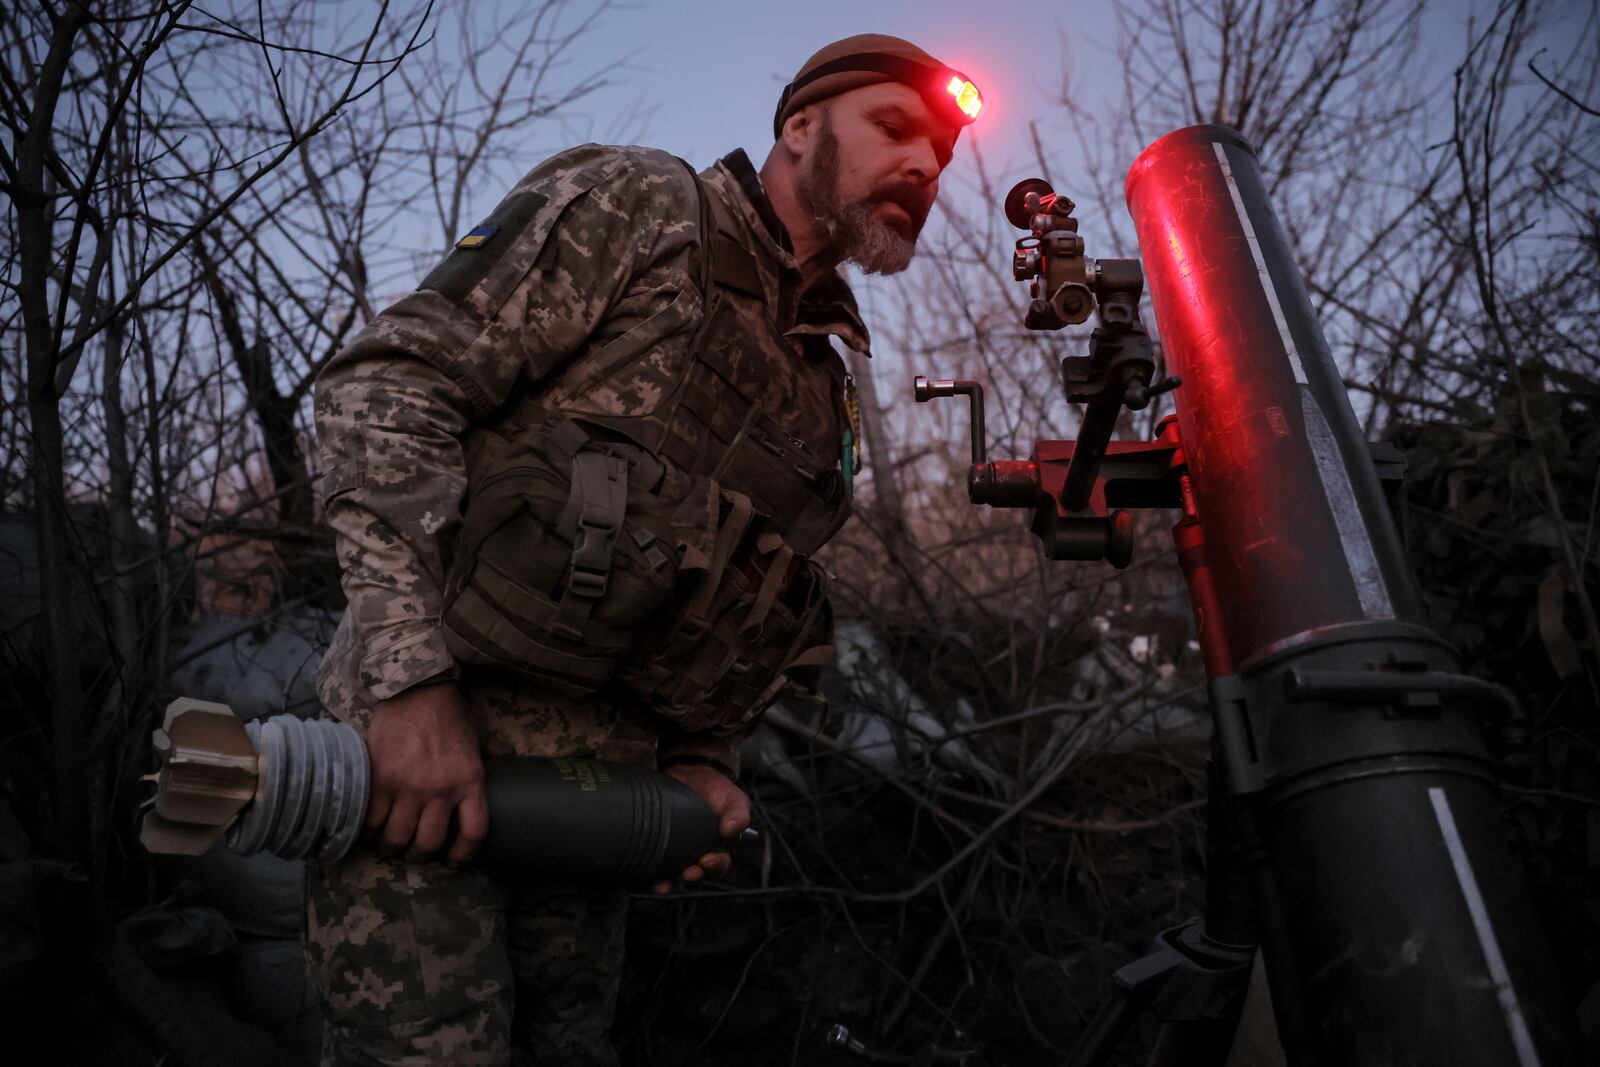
pixel 595 510
pixel 566 438
pixel 736 267
pixel 740 511
pixel 773 582
pixel 733 266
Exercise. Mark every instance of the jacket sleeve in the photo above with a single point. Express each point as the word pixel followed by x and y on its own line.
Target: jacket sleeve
pixel 590 233
pixel 677 748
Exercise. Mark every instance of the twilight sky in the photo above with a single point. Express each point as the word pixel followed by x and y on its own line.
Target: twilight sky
pixel 713 69
pixel 710 71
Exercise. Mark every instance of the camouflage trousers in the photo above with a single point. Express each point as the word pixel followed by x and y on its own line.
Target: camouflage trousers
pixel 423 964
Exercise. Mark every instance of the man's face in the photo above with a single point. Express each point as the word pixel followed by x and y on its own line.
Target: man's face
pixel 871 172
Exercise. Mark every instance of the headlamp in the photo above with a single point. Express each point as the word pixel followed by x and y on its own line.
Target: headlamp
pixel 966 96
pixel 949 93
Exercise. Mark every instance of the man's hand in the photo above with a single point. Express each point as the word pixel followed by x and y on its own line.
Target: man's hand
pixel 733 817
pixel 426 766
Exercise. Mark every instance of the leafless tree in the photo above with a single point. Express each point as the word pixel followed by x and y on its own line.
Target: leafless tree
pixel 204 205
pixel 83 179
pixel 1525 222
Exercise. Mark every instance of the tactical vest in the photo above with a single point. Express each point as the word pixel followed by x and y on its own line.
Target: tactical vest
pixel 661 550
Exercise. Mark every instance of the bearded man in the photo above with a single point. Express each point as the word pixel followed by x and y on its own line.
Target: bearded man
pixel 577 479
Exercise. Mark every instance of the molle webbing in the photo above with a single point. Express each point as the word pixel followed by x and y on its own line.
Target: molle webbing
pixel 774 579
pixel 552 573
pixel 663 552
pixel 594 514
pixel 708 411
pixel 705 421
pixel 729 534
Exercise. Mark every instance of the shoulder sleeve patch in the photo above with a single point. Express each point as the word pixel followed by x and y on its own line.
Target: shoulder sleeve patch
pixel 475 255
pixel 477 237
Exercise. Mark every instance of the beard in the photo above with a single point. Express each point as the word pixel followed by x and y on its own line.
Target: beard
pixel 854 228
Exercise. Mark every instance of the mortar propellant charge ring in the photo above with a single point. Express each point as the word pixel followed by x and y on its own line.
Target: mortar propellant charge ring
pixel 358 782
pixel 319 759
pixel 298 788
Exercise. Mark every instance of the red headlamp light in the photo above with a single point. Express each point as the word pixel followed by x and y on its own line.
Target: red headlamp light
pixel 950 94
pixel 966 96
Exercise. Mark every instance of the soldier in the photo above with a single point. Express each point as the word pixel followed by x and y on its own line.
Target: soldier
pixel 577 478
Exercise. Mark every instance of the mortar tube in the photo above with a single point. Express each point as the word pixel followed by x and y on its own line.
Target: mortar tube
pixel 1401 921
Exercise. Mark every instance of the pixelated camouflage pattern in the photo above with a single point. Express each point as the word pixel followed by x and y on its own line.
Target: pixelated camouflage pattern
pixel 761 349
pixel 399 409
pixel 396 408
pixel 424 964
pixel 409 963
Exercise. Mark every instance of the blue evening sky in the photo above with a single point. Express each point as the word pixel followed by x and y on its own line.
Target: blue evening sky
pixel 710 71
pixel 713 69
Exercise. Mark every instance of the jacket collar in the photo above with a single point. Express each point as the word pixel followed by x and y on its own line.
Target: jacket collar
pixel 828 306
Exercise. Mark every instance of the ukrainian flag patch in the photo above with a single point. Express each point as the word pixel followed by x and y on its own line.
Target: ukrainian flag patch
pixel 478 238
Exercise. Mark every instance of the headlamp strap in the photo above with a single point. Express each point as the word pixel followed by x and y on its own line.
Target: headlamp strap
pixel 919 76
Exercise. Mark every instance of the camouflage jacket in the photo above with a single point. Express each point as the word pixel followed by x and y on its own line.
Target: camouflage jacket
pixel 599 252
